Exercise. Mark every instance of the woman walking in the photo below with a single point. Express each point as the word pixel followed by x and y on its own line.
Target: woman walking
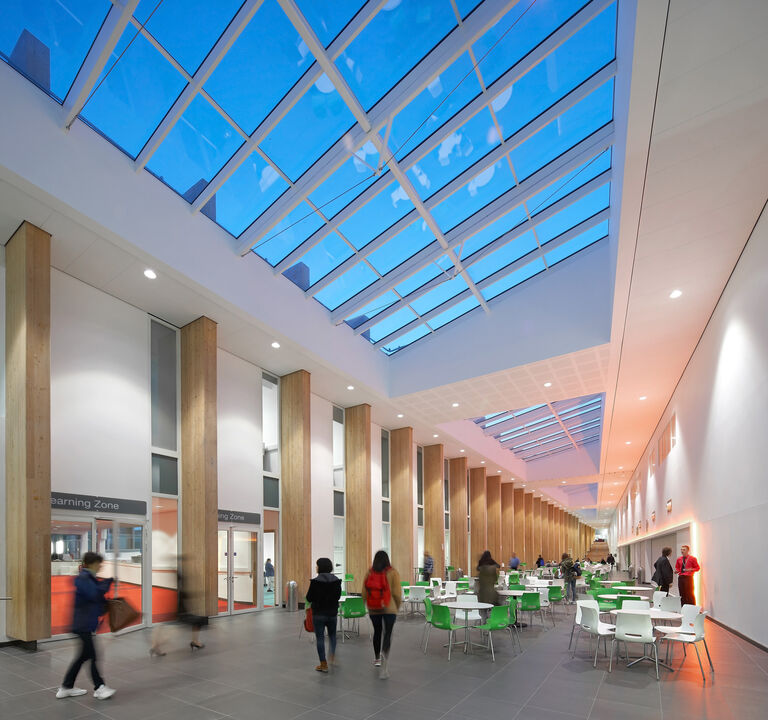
pixel 383 595
pixel 90 591
pixel 324 593
pixel 488 576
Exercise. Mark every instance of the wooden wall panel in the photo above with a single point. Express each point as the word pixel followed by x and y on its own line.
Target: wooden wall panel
pixel 199 483
pixel 545 531
pixel 402 507
pixel 493 505
pixel 357 453
pixel 434 507
pixel 479 515
pixel 507 522
pixel 530 553
pixel 551 532
pixel 28 433
pixel 457 486
pixel 538 535
pixel 519 524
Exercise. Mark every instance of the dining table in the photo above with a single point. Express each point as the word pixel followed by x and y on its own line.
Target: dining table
pixel 465 607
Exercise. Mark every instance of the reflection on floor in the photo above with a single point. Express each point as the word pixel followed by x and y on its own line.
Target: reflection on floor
pixel 258 665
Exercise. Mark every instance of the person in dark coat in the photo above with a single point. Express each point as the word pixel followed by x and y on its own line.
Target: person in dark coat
pixel 324 593
pixel 90 592
pixel 663 574
pixel 488 576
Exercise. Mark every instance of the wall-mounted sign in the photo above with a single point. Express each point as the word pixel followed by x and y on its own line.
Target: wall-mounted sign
pixel 653 516
pixel 237 516
pixel 97 504
pixel 669 506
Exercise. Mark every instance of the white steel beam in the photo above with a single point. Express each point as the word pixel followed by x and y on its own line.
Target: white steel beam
pixel 109 34
pixel 435 62
pixel 580 153
pixel 313 74
pixel 500 151
pixel 215 56
pixel 498 275
pixel 502 240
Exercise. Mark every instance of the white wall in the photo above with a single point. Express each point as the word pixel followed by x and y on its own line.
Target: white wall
pixel 3 545
pixel 321 424
pixel 100 393
pixel 239 453
pixel 715 474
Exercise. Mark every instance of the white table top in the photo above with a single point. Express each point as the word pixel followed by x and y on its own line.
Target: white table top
pixel 510 593
pixel 616 597
pixel 653 612
pixel 635 588
pixel 474 605
pixel 609 582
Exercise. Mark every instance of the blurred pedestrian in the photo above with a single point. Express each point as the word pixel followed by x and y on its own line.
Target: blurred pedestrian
pixel 429 566
pixel 488 576
pixel 323 594
pixel 269 574
pixel 383 596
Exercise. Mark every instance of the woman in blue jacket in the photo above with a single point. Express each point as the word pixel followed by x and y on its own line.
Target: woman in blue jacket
pixel 90 592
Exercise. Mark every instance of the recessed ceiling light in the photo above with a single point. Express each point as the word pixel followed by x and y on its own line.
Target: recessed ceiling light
pixel 523 485
pixel 454 404
pixel 564 482
pixel 435 435
pixel 628 442
pixel 643 397
pixel 461 450
pixel 276 345
pixel 675 294
pixel 621 467
pixel 498 471
pixel 547 384
pixel 399 415
pixel 482 462
pixel 350 387
pixel 150 274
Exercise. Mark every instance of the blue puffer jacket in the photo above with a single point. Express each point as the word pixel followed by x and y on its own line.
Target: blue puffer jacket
pixel 89 601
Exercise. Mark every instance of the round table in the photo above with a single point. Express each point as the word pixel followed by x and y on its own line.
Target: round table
pixel 655 613
pixel 511 593
pixel 636 588
pixel 610 582
pixel 465 607
pixel 616 597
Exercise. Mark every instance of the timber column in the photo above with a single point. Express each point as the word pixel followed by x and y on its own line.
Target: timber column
pixel 457 485
pixel 507 521
pixel 401 500
pixel 434 507
pixel 493 507
pixel 479 515
pixel 357 448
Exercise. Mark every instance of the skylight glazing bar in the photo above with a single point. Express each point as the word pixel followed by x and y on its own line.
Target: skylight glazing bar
pixel 546 176
pixel 111 31
pixel 214 57
pixel 356 25
pixel 435 62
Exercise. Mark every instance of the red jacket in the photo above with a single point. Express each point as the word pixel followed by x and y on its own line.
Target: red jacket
pixel 691 565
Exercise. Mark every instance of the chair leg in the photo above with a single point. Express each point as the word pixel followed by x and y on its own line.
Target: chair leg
pixel 597 650
pixel 578 635
pixel 426 641
pixel 656 658
pixel 709 657
pixel 490 640
pixel 698 656
pixel 450 644
pixel 571 640
pixel 685 650
pixel 610 657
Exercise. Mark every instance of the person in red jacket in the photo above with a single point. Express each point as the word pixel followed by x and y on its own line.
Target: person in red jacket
pixel 685 566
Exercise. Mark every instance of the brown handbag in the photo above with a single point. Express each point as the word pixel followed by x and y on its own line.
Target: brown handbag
pixel 120 613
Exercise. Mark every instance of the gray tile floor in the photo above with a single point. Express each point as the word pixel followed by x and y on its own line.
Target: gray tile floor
pixel 257 666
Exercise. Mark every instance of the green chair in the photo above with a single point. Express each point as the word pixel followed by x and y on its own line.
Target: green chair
pixel 623 598
pixel 427 622
pixel 498 619
pixel 421 583
pixel 441 620
pixel 530 602
pixel 353 608
pixel 516 586
pixel 513 577
pixel 513 628
pixel 555 595
pixel 604 605
pixel 348 578
pixel 448 570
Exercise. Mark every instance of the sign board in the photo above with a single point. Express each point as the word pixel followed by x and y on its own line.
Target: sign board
pixel 236 516
pixel 97 504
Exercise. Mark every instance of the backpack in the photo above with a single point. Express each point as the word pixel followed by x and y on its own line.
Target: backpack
pixel 577 569
pixel 377 589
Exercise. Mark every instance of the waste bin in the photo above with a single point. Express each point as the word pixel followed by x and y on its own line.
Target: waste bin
pixel 291 596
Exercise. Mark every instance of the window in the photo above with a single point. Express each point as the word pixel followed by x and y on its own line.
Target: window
pixel 385 498
pixel 339 499
pixel 447 510
pixel 270 413
pixel 271 493
pixel 338 503
pixel 165 478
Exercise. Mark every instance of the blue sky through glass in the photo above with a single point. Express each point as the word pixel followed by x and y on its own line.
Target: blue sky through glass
pixel 288 234
pixel 377 215
pixel 328 17
pixel 401 247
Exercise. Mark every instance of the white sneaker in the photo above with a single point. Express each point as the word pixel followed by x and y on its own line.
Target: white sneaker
pixel 384 669
pixel 103 692
pixel 377 662
pixel 63 692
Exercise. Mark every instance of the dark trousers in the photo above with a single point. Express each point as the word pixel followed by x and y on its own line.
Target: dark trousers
pixel 87 652
pixel 427 576
pixel 321 622
pixel 388 622
pixel 685 586
pixel 570 585
pixel 664 587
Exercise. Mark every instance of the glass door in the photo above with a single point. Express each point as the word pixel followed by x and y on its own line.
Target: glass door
pixel 238 570
pixel 70 540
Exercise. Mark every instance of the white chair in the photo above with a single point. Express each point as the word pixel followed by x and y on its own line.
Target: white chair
pixel 437 586
pixel 634 628
pixel 692 633
pixel 473 615
pixel 545 604
pixel 671 603
pixel 590 623
pixel 689 612
pixel 577 619
pixel 450 589
pixel 416 597
pixel 657 596
pixel 636 605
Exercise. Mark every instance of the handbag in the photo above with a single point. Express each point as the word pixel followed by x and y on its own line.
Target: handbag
pixel 309 625
pixel 120 613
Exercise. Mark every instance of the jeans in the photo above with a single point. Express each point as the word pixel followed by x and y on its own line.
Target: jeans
pixel 87 652
pixel 570 584
pixel 388 621
pixel 321 622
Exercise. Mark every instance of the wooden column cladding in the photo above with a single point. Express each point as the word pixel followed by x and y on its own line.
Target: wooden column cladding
pixel 479 515
pixel 295 496
pixel 538 547
pixel 457 485
pixel 199 484
pixel 551 544
pixel 402 508
pixel 519 524
pixel 545 531
pixel 357 447
pixel 560 532
pixel 493 505
pixel 507 522
pixel 28 432
pixel 530 550
pixel 434 507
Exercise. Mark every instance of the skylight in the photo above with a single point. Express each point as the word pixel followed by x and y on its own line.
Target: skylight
pixel 404 164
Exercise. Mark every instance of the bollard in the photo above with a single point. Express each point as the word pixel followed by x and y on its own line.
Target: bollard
pixel 291 596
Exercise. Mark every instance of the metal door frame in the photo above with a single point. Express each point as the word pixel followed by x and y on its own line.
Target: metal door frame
pixel 231 528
